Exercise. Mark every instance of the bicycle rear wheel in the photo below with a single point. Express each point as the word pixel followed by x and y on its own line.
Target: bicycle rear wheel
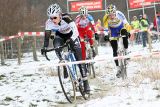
pixel 91 70
pixel 90 66
pixel 67 84
pixel 123 68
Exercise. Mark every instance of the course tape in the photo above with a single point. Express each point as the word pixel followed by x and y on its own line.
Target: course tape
pixel 9 37
pixel 104 59
pixel 21 34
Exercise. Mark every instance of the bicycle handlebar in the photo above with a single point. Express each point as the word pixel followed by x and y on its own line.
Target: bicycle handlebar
pixel 52 49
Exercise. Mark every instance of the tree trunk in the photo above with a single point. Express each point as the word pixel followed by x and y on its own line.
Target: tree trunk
pixel 19 50
pixel 2 53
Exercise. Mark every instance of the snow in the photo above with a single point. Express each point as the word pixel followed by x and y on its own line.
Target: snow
pixel 36 83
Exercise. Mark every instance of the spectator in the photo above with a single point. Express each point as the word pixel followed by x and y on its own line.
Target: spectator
pixel 156 22
pixel 144 25
pixel 135 26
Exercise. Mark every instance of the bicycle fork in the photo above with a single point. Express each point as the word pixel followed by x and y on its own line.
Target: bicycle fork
pixel 72 67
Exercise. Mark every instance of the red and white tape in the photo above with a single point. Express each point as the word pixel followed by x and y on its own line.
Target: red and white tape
pixel 9 37
pixel 104 59
pixel 21 34
pixel 31 33
pixel 138 30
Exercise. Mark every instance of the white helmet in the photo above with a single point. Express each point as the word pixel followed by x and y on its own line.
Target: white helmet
pixel 83 10
pixel 54 10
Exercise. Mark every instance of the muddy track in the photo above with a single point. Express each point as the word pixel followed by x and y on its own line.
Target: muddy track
pixel 98 90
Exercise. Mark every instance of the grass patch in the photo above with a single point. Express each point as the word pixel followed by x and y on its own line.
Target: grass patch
pixel 27 75
pixel 149 68
pixel 2 76
pixel 32 105
pixel 8 99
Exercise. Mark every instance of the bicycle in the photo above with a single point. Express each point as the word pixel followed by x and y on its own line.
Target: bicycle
pixel 69 79
pixel 89 55
pixel 122 61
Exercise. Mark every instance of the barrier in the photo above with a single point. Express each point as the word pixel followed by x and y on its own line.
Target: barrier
pixel 21 34
pixel 106 58
pixel 9 37
pixel 38 34
pixel 31 33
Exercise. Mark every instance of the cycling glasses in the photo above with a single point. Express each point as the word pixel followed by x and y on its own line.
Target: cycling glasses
pixel 53 18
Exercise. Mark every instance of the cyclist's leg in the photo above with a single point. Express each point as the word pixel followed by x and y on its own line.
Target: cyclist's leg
pixel 83 45
pixel 75 45
pixel 125 43
pixel 125 39
pixel 91 41
pixel 58 41
pixel 114 46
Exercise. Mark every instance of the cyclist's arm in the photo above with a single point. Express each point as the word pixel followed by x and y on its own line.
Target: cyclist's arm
pixel 125 22
pixel 48 30
pixel 105 21
pixel 73 26
pixel 92 22
pixel 47 33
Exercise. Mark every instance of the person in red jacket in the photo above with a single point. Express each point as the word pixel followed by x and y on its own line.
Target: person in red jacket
pixel 85 23
pixel 156 22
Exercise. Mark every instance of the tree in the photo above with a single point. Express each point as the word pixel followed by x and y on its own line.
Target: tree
pixel 11 16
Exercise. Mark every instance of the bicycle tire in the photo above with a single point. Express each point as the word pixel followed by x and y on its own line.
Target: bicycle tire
pixel 123 68
pixel 69 89
pixel 91 70
pixel 91 65
pixel 86 96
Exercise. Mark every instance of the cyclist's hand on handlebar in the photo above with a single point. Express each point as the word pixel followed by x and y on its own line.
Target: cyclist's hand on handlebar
pixel 43 50
pixel 96 36
pixel 106 38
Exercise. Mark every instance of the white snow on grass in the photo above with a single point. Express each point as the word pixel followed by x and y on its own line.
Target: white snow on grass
pixel 36 83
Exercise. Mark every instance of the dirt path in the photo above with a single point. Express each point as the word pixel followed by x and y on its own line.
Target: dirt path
pixel 98 90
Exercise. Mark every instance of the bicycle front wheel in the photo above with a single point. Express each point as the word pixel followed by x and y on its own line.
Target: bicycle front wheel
pixel 67 83
pixel 123 69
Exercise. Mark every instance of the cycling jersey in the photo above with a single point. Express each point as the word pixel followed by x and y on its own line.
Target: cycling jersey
pixel 120 18
pixel 116 24
pixel 85 23
pixel 66 26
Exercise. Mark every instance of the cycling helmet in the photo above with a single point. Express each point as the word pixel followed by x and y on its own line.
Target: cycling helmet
pixel 54 10
pixel 111 9
pixel 83 10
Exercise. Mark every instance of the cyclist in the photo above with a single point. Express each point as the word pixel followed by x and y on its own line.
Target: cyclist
pixel 85 22
pixel 65 32
pixel 116 23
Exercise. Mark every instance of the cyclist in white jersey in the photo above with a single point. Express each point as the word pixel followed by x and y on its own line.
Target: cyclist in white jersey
pixel 65 32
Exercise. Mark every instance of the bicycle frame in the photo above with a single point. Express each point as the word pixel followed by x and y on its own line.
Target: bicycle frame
pixel 70 57
pixel 76 82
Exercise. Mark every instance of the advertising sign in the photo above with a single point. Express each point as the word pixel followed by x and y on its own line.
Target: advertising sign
pixel 141 3
pixel 90 4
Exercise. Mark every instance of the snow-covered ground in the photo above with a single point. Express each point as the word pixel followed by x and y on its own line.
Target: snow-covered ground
pixel 35 84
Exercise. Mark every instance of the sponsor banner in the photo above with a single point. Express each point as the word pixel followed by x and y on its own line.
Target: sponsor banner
pixel 90 4
pixel 140 3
